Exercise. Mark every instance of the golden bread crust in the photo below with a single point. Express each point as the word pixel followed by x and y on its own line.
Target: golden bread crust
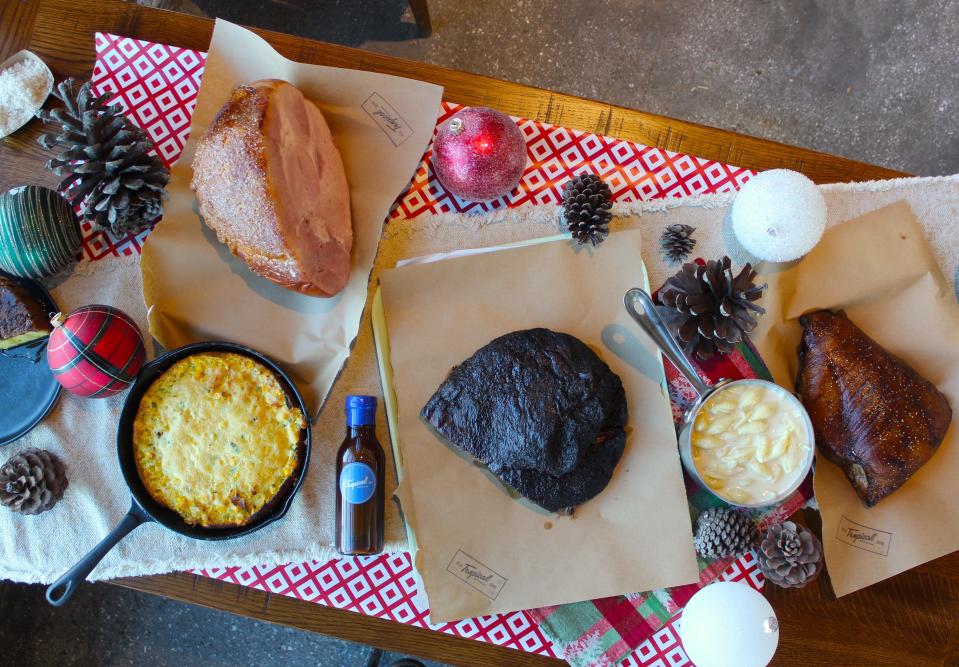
pixel 239 202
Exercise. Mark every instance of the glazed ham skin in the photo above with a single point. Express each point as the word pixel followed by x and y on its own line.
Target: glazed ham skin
pixel 873 415
pixel 270 182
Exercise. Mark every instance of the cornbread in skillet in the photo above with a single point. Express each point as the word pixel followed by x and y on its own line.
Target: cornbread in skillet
pixel 214 439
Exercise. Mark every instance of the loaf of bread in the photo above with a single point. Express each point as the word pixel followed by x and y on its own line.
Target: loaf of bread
pixel 270 182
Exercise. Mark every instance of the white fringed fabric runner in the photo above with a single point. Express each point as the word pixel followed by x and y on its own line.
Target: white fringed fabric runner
pixel 82 432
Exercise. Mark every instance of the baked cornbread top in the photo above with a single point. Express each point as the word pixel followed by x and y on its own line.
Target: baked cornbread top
pixel 214 439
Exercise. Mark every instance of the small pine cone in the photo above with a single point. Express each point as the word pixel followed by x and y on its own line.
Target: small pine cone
pixel 790 555
pixel 586 203
pixel 677 242
pixel 32 482
pixel 722 532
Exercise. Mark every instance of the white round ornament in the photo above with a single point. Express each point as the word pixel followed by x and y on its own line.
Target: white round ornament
pixel 779 215
pixel 729 624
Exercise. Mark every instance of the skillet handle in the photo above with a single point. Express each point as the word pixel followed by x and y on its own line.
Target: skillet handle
pixel 61 590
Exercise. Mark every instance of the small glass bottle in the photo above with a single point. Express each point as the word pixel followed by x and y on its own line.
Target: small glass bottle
pixel 360 482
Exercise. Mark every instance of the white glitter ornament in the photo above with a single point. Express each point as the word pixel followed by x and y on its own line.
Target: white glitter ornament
pixel 729 624
pixel 779 215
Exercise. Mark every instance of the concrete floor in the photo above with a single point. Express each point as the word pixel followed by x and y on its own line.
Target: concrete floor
pixel 872 80
pixel 108 625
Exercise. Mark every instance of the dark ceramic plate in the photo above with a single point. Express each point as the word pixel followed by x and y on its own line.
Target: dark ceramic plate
pixel 27 389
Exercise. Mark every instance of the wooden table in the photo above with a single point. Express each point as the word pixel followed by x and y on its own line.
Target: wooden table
pixel 912 619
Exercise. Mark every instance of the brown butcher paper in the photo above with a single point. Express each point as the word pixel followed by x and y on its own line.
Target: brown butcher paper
pixel 196 290
pixel 879 269
pixel 478 549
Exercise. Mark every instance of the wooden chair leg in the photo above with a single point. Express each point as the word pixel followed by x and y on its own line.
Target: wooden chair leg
pixel 421 12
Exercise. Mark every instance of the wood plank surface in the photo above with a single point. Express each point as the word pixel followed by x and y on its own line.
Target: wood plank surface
pixel 912 619
pixel 282 610
pixel 62 33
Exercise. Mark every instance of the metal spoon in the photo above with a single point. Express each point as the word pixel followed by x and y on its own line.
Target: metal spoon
pixel 650 322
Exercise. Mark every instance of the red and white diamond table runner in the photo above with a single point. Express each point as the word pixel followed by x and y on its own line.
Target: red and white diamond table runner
pixel 157 86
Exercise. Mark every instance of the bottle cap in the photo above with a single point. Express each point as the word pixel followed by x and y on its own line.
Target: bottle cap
pixel 360 410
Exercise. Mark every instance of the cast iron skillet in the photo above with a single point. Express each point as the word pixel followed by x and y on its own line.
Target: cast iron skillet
pixel 144 508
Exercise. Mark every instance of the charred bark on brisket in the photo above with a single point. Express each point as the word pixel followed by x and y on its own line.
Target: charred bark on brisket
pixel 541 410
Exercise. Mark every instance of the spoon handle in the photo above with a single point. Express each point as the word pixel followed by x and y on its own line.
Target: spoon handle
pixel 650 322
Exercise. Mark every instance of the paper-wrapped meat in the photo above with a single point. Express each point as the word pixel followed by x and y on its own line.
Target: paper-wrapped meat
pixel 873 415
pixel 270 182
pixel 541 410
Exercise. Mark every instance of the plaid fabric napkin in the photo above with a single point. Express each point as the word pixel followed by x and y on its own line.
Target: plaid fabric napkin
pixel 605 631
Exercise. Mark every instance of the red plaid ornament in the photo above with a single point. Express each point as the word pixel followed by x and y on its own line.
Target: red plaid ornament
pixel 96 351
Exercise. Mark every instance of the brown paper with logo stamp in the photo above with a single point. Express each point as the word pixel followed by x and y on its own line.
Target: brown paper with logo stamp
pixel 880 270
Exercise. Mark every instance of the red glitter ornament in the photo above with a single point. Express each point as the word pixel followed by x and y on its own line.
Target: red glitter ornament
pixel 479 154
pixel 96 351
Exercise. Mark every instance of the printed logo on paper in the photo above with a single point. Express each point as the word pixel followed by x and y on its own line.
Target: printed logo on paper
pixel 863 537
pixel 388 119
pixel 468 569
pixel 357 483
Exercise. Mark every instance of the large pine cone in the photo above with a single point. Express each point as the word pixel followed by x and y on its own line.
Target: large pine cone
pixel 104 160
pixel 722 532
pixel 587 200
pixel 790 555
pixel 32 482
pixel 708 308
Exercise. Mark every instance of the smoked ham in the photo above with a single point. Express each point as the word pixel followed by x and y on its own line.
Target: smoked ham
pixel 873 415
pixel 270 182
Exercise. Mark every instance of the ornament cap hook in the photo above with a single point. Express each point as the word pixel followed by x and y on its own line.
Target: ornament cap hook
pixel 456 126
pixel 56 320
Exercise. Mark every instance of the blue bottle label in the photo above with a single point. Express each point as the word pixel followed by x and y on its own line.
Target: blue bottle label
pixel 357 483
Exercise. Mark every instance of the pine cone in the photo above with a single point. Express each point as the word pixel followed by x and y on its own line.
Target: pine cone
pixel 710 310
pixel 104 160
pixel 790 555
pixel 677 242
pixel 586 203
pixel 722 532
pixel 32 482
